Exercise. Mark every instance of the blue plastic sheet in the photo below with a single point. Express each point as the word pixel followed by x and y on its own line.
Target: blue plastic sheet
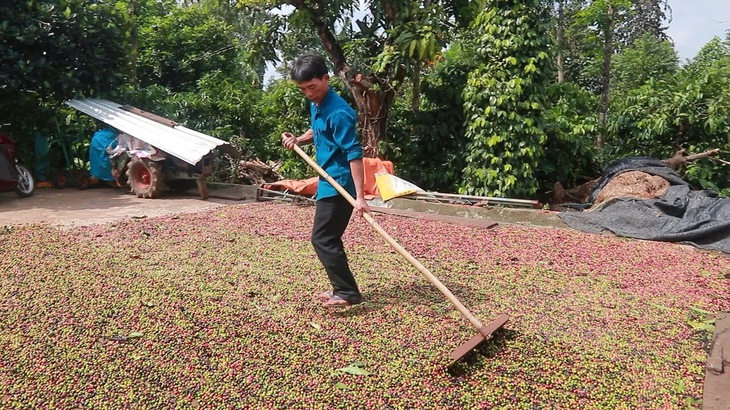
pixel 100 166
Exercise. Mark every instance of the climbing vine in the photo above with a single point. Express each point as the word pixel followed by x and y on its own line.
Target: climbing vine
pixel 505 97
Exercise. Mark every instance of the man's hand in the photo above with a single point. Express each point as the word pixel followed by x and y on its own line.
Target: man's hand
pixel 289 140
pixel 361 207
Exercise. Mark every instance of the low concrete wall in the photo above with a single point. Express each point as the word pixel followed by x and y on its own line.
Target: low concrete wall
pixel 236 192
pixel 503 215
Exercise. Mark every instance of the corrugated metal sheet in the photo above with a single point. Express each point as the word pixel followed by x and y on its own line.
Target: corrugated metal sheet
pixel 178 141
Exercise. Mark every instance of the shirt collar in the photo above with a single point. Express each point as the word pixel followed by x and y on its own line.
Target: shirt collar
pixel 327 96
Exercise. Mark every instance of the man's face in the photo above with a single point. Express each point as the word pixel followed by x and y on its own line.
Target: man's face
pixel 316 88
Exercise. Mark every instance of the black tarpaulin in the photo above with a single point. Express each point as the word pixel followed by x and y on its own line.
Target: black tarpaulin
pixel 700 218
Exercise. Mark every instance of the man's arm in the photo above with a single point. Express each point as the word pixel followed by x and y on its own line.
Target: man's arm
pixel 289 140
pixel 358 176
pixel 343 126
pixel 306 138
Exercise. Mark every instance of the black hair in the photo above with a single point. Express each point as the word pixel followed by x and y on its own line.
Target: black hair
pixel 308 67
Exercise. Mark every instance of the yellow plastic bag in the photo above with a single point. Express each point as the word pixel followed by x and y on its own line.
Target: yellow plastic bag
pixel 390 186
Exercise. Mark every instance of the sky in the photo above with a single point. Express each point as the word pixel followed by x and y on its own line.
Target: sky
pixel 695 22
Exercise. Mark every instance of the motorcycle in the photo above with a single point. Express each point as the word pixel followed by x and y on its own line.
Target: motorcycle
pixel 13 176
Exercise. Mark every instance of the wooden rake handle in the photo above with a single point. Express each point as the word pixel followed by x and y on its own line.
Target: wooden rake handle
pixel 430 276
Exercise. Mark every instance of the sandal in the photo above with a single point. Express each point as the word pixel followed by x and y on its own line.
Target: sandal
pixel 335 302
pixel 325 296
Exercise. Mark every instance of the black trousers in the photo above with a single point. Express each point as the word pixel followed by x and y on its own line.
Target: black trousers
pixel 330 221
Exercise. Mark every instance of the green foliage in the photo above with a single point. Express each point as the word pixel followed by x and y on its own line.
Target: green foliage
pixel 355 369
pixel 713 53
pixel 181 45
pixel 570 127
pixel 428 147
pixel 201 63
pixel 220 106
pixel 284 108
pixel 648 57
pixel 587 24
pixel 415 38
pixel 504 99
pixel 225 107
pixel 690 111
pixel 385 47
pixel 51 51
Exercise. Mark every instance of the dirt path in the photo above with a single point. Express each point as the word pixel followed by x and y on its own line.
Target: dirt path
pixel 73 207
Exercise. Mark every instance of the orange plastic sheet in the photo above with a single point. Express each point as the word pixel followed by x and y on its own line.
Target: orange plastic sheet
pixel 308 187
pixel 375 166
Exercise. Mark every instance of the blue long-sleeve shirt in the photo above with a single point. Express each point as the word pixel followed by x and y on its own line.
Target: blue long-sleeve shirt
pixel 335 139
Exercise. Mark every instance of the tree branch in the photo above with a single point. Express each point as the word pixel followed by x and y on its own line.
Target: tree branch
pixel 329 42
pixel 681 158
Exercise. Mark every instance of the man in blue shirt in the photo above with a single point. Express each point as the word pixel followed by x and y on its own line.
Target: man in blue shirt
pixel 339 153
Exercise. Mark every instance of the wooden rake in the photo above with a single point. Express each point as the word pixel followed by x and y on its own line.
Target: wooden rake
pixel 485 330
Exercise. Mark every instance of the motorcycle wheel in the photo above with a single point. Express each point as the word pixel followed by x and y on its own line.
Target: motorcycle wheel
pixel 26 184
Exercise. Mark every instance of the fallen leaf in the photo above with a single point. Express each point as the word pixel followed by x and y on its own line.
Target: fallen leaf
pixel 354 369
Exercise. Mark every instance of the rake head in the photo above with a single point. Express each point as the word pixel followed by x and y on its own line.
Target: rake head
pixel 485 333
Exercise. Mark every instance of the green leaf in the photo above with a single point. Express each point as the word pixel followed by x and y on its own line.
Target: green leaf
pixel 412 48
pixel 342 386
pixel 700 311
pixel 680 387
pixel 660 307
pixel 354 369
pixel 135 335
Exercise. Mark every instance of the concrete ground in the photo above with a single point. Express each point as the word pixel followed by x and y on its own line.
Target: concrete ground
pixel 73 207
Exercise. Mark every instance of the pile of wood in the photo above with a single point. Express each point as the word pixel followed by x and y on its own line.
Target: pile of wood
pixel 256 172
pixel 247 170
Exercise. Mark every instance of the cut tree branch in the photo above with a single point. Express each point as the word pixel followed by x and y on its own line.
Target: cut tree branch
pixel 681 158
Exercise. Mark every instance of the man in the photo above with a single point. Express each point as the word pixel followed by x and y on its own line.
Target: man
pixel 339 153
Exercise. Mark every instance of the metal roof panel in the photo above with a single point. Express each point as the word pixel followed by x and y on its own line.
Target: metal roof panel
pixel 186 144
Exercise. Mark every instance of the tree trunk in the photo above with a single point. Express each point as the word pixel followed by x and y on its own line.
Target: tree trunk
pixel 373 106
pixel 561 42
pixel 133 43
pixel 372 113
pixel 605 77
pixel 416 99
